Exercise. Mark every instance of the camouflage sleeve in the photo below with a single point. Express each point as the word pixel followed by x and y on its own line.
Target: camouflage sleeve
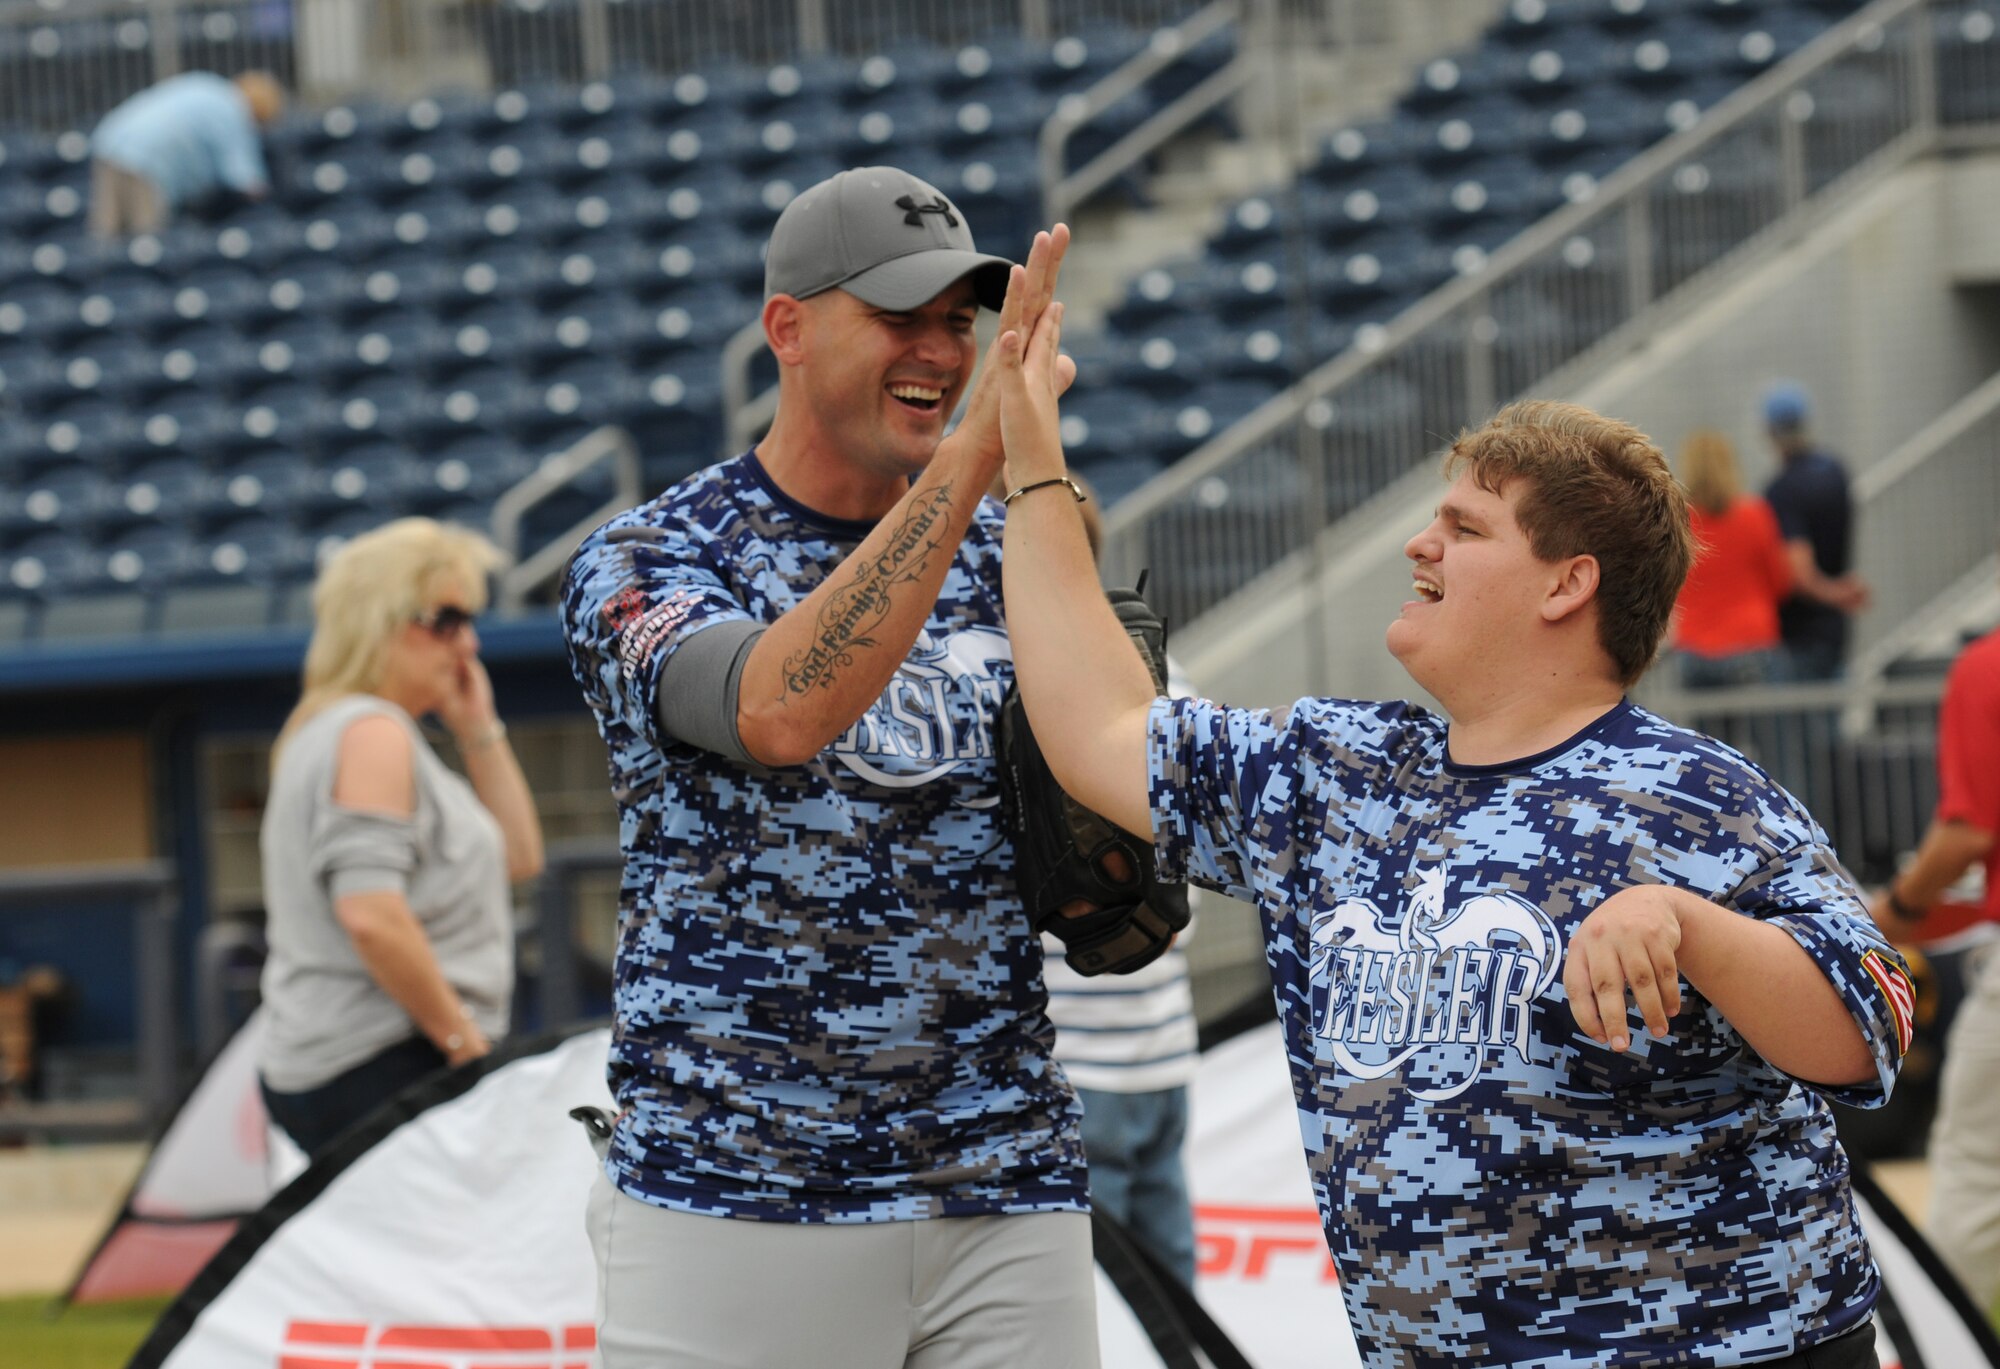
pixel 631 596
pixel 1802 887
pixel 1207 767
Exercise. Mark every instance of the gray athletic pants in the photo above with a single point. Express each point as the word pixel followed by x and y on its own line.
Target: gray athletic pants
pixel 678 1291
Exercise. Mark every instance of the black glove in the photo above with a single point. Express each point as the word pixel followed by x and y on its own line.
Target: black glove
pixel 1064 852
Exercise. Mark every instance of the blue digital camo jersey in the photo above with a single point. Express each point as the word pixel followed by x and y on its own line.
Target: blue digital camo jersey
pixel 1497 1188
pixel 829 1006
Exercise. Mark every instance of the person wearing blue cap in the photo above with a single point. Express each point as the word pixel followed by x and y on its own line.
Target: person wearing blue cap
pixel 1816 515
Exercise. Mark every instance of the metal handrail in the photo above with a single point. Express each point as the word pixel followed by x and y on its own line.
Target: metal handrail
pixel 1061 193
pixel 745 416
pixel 558 472
pixel 1931 439
pixel 1871 663
pixel 1625 187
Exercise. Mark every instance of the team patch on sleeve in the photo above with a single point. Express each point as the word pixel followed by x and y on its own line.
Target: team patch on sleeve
pixel 1894 982
pixel 639 635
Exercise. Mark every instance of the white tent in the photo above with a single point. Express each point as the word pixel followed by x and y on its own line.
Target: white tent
pixel 447 1233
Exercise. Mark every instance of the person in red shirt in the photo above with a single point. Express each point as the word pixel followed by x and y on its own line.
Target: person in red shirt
pixel 1726 619
pixel 1964 1221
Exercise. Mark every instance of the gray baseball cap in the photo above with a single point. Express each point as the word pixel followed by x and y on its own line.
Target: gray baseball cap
pixel 883 236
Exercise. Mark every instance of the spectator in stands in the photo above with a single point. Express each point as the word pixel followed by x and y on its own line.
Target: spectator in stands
pixel 178 145
pixel 1964 1219
pixel 1816 513
pixel 1509 1169
pixel 841 1139
pixel 385 874
pixel 1127 1043
pixel 1726 620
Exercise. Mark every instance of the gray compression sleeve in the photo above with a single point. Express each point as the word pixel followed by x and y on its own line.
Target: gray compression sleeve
pixel 697 694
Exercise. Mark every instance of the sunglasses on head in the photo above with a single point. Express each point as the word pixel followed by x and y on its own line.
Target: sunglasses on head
pixel 446 622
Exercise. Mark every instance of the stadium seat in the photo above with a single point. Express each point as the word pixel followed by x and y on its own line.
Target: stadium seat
pixel 1174 430
pixel 1103 423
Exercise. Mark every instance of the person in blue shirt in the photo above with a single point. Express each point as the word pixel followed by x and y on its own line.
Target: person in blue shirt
pixel 1563 986
pixel 1816 515
pixel 842 1137
pixel 178 144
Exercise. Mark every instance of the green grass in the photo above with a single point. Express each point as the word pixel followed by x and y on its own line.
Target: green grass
pixel 100 1337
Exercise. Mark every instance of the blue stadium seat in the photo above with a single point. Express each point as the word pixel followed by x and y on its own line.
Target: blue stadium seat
pixel 258 548
pixel 674 413
pixel 478 467
pixel 1384 198
pixel 270 480
pixel 1181 286
pixel 1085 55
pixel 1114 477
pixel 1448 81
pixel 1968 53
pixel 165 490
pixel 1104 422
pixel 380 476
pixel 71 496
pixel 1177 429
pixel 1492 125
pixel 898 71
pixel 158 553
pixel 1166 361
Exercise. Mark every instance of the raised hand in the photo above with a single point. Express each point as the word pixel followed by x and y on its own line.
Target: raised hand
pixel 1032 379
pixel 468 711
pixel 1031 289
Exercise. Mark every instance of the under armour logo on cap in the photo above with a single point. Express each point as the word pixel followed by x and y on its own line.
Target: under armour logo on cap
pixel 915 215
pixel 852 232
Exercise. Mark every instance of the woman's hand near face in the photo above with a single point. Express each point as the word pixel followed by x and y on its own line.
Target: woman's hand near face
pixel 467 709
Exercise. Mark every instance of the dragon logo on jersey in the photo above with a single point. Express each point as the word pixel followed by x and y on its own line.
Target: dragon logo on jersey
pixel 937 713
pixel 1449 983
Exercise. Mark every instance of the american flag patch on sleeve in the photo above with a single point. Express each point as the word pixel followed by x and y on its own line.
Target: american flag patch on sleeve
pixel 1894 982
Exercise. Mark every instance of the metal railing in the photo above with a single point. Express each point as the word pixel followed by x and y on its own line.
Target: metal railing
pixel 1063 190
pixel 1953 463
pixel 1862 760
pixel 565 471
pixel 1577 288
pixel 63 63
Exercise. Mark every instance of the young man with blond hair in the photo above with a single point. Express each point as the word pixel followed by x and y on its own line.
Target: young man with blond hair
pixel 1509 1170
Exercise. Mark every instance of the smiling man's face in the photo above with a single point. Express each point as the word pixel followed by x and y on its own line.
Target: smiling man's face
pixel 883 383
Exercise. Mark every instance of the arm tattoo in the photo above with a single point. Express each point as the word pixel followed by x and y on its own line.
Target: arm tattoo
pixel 852 613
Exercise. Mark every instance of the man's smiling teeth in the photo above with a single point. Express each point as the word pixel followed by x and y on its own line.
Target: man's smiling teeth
pixel 1426 591
pixel 922 392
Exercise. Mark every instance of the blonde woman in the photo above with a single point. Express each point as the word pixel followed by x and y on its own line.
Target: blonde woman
pixel 1726 619
pixel 386 874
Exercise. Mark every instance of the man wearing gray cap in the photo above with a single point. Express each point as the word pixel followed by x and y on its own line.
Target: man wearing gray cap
pixel 842 1140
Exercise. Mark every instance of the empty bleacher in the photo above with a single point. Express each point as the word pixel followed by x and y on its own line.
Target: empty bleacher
pixel 437 296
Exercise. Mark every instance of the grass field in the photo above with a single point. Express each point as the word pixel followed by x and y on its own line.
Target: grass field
pixel 102 1337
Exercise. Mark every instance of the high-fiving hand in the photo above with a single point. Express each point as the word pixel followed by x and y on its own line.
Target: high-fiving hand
pixel 1031 289
pixel 1034 373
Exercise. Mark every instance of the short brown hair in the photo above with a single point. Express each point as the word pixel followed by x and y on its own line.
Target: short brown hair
pixel 1595 487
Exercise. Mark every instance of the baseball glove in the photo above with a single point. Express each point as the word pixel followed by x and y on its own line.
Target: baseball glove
pixel 1065 852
